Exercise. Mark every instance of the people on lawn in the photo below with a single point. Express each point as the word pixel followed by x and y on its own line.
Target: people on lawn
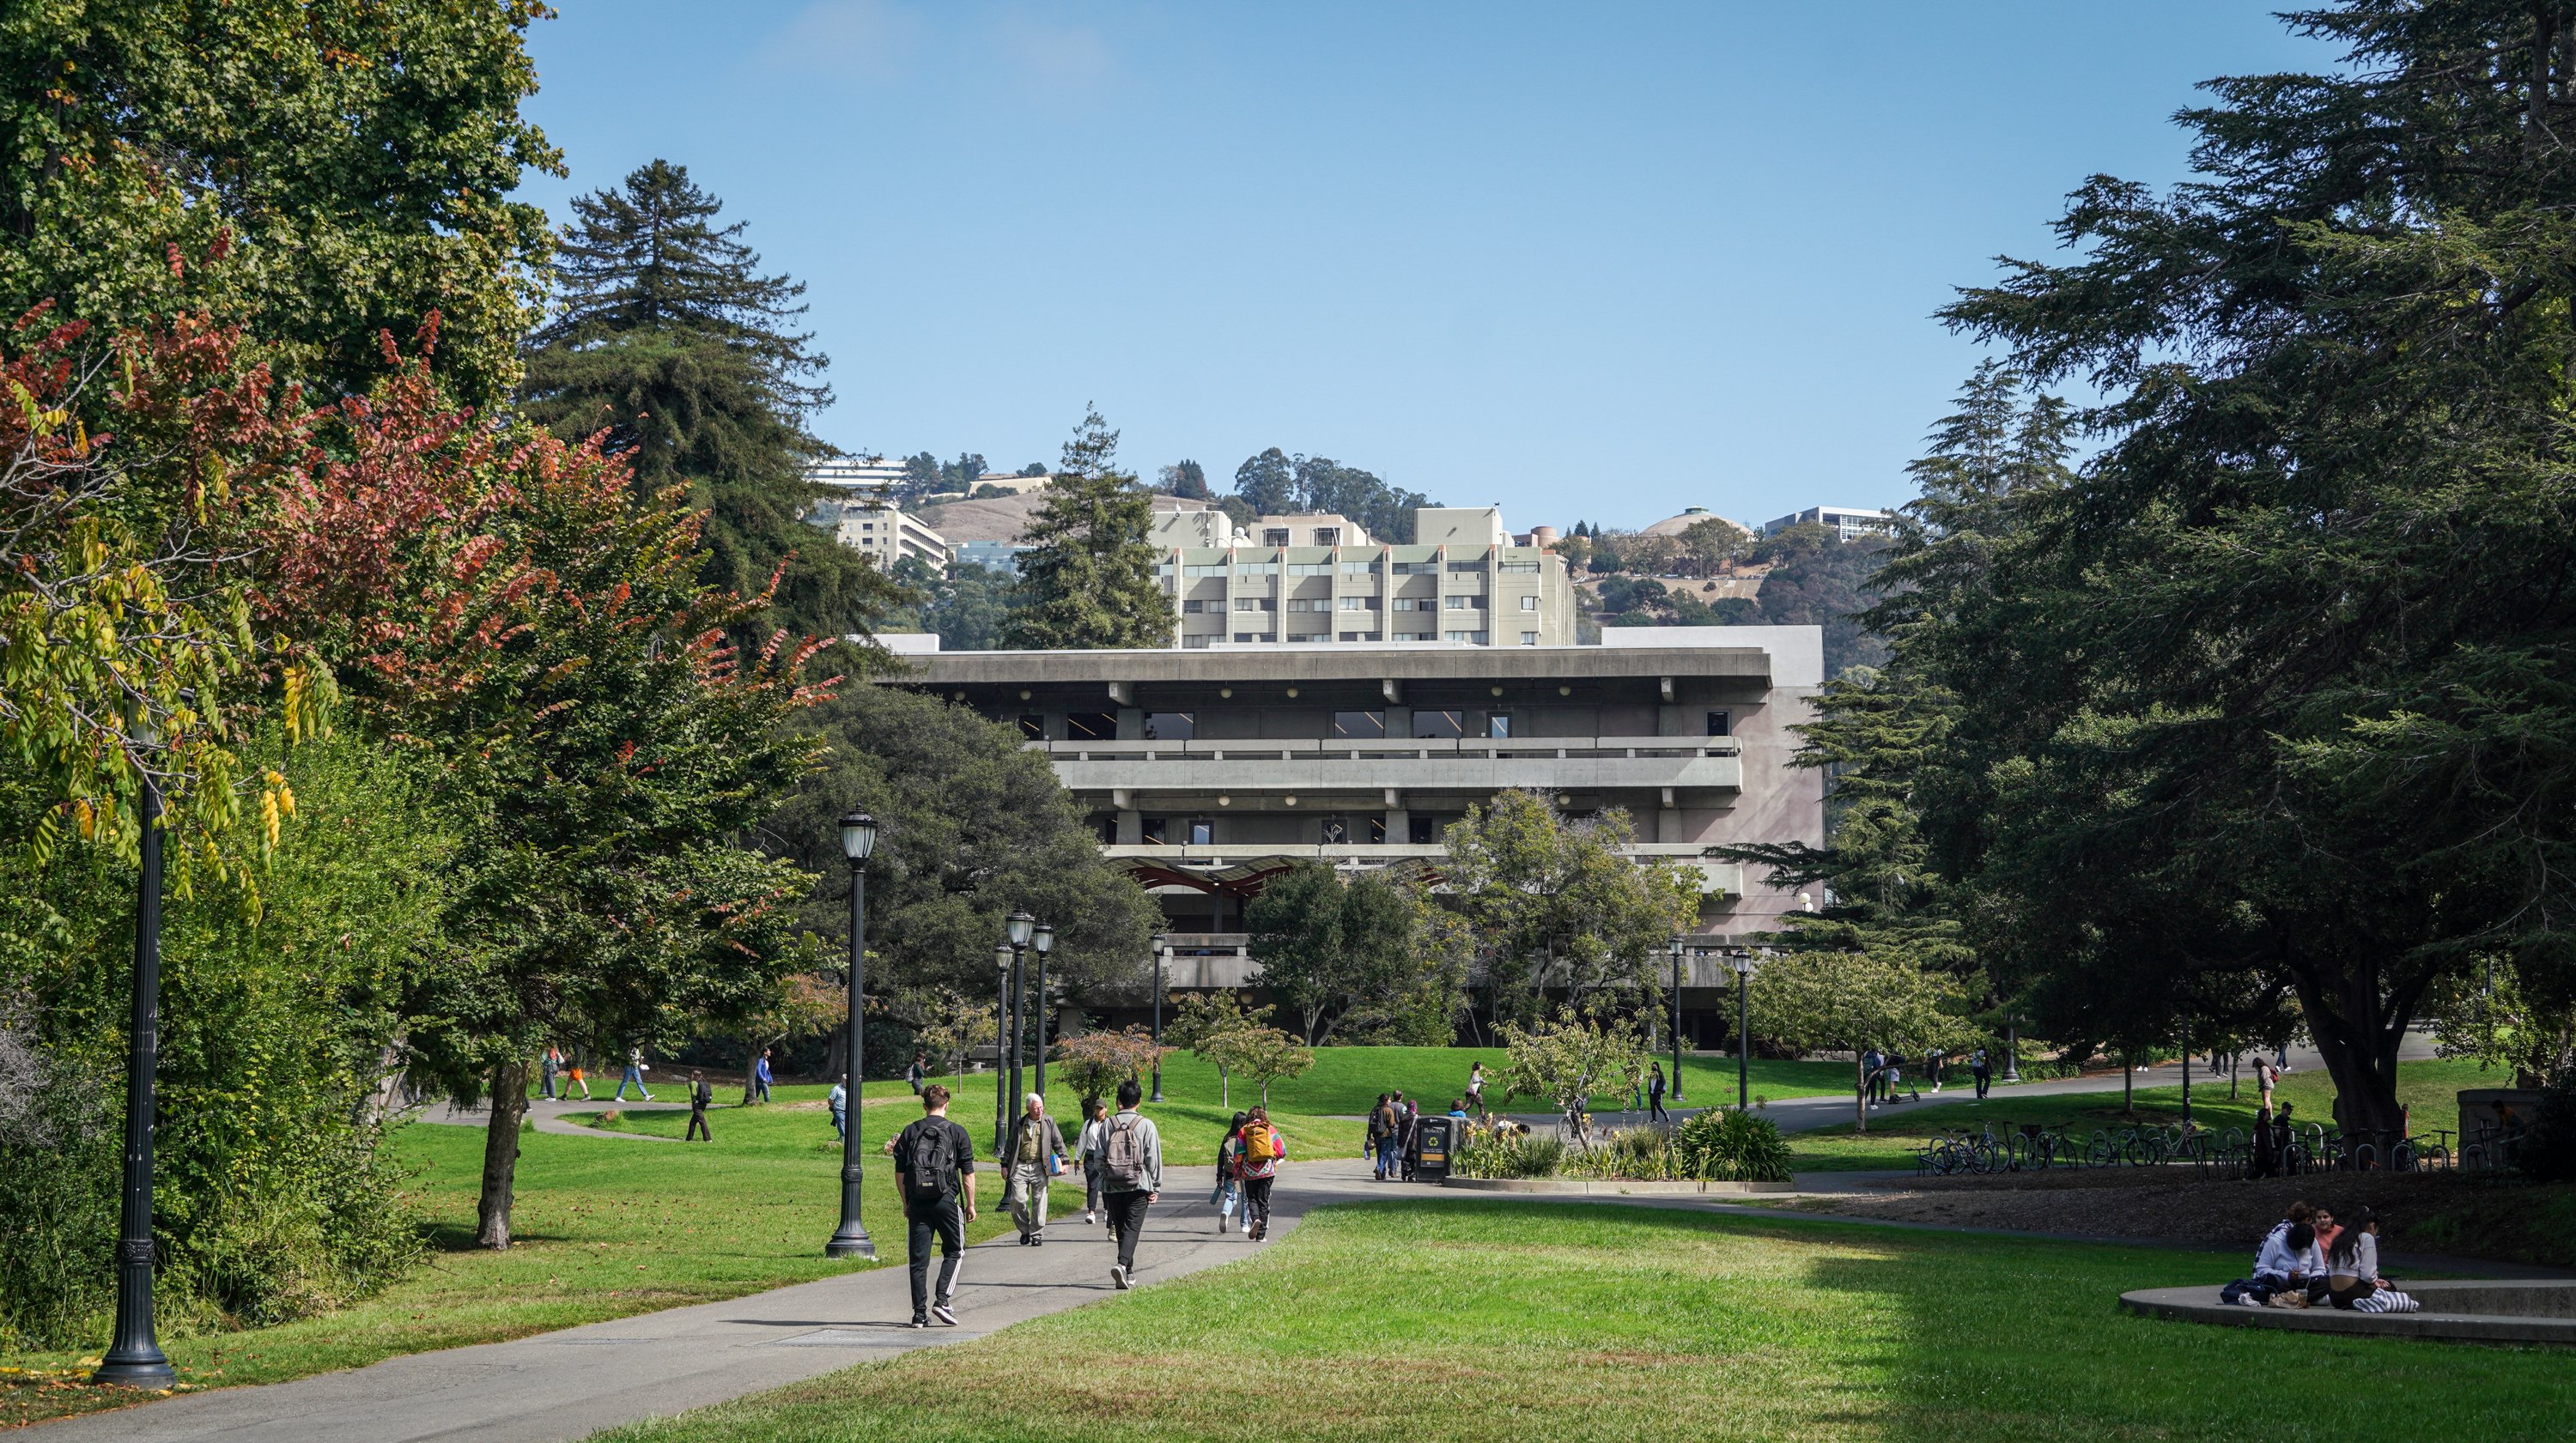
pixel 934 1166
pixel 701 1097
pixel 1131 1167
pixel 1259 1149
pixel 1381 1122
pixel 838 1099
pixel 636 1067
pixel 1476 1087
pixel 916 1072
pixel 1655 1096
pixel 1034 1154
pixel 760 1077
pixel 1983 1071
pixel 1408 1131
pixel 552 1064
pixel 1386 1124
pixel 2353 1279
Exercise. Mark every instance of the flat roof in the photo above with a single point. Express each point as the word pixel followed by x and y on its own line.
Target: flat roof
pixel 1336 662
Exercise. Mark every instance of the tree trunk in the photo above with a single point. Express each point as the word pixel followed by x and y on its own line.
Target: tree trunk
pixel 1860 1093
pixel 2232 1059
pixel 2128 1083
pixel 501 1152
pixel 2357 1035
pixel 751 1060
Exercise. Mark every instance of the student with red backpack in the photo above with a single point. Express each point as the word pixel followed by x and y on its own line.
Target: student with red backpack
pixel 1256 1162
pixel 1131 1176
pixel 934 1167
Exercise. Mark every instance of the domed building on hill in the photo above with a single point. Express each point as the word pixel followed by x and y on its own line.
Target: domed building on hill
pixel 1676 525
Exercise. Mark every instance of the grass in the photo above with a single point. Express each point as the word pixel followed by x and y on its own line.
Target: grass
pixel 604 1229
pixel 1895 1134
pixel 1479 1321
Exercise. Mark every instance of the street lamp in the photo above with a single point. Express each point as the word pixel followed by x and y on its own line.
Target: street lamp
pixel 850 1239
pixel 1001 1024
pixel 1020 928
pixel 1677 1021
pixel 1043 938
pixel 1162 970
pixel 1742 961
pixel 2012 1047
pixel 134 1359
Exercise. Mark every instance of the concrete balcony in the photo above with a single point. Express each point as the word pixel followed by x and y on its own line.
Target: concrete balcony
pixel 1716 878
pixel 1467 765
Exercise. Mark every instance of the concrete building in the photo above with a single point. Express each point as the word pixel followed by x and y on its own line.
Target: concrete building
pixel 1848 523
pixel 1319 579
pixel 889 534
pixel 1206 773
pixel 1691 516
pixel 1001 556
pixel 869 478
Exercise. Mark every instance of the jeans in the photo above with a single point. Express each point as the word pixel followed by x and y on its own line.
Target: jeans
pixel 760 1088
pixel 1028 1198
pixel 634 1075
pixel 1091 1185
pixel 944 1220
pixel 1985 1079
pixel 1127 1217
pixel 546 1083
pixel 840 1123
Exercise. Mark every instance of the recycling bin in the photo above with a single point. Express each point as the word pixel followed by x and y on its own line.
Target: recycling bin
pixel 1434 1138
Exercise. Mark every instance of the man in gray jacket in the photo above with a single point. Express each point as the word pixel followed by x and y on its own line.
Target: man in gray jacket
pixel 1131 1176
pixel 1034 1152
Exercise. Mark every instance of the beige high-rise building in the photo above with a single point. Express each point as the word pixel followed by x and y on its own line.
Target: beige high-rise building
pixel 1306 580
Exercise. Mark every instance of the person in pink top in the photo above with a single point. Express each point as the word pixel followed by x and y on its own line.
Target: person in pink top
pixel 1256 1164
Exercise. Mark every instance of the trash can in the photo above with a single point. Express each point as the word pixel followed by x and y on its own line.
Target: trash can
pixel 1433 1138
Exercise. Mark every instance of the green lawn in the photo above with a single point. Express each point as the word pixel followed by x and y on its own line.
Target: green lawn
pixel 1895 1134
pixel 605 1228
pixel 1483 1321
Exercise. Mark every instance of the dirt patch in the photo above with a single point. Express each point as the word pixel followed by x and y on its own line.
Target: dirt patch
pixel 2470 1217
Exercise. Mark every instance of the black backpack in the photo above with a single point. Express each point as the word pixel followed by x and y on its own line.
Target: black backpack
pixel 932 1160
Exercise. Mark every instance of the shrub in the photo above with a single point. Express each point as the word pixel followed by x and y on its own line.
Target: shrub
pixel 1723 1145
pixel 2548 1151
pixel 1521 1155
pixel 1638 1154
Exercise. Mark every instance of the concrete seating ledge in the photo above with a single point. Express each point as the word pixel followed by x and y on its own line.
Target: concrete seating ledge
pixel 1609 1187
pixel 2485 1311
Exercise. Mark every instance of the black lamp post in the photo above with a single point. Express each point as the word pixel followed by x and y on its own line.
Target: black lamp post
pixel 2012 1047
pixel 1677 1021
pixel 850 1239
pixel 1021 927
pixel 1042 937
pixel 1162 965
pixel 134 1359
pixel 1001 1026
pixel 1743 963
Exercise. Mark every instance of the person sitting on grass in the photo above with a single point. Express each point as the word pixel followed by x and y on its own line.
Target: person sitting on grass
pixel 2352 1270
pixel 2286 1263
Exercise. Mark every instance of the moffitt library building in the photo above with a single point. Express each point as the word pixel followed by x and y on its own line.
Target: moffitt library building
pixel 1211 766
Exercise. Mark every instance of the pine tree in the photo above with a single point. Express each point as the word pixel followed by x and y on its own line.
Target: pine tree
pixel 1088 579
pixel 669 339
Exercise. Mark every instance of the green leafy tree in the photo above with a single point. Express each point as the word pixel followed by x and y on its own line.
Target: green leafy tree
pixel 1087 580
pixel 949 1026
pixel 1185 479
pixel 1566 1059
pixel 1555 905
pixel 970 828
pixel 1816 1000
pixel 667 338
pixel 1263 1055
pixel 1327 947
pixel 969 608
pixel 1711 544
pixel 314 172
pixel 1817 579
pixel 1267 483
pixel 1200 1025
pixel 1096 1062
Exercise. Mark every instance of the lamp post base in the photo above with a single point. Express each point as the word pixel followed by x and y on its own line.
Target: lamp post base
pixel 851 1242
pixel 136 1368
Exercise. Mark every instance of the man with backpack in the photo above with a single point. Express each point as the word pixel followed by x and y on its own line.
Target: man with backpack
pixel 701 1097
pixel 934 1166
pixel 1131 1175
pixel 1256 1163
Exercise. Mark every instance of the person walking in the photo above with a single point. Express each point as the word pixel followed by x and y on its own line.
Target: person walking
pixel 1383 1122
pixel 1932 1068
pixel 838 1099
pixel 1870 1062
pixel 1411 1133
pixel 1095 1131
pixel 1655 1096
pixel 1983 1071
pixel 547 1067
pixel 1372 1146
pixel 1228 1197
pixel 1259 1149
pixel 915 1073
pixel 2266 1077
pixel 1034 1154
pixel 934 1170
pixel 701 1097
pixel 760 1076
pixel 636 1067
pixel 581 1080
pixel 1131 1167
pixel 1476 1087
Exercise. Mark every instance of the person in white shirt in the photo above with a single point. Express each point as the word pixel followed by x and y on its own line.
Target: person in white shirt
pixel 2352 1270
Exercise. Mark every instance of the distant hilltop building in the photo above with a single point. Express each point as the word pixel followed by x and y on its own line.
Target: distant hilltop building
pixel 1314 579
pixel 1690 517
pixel 857 477
pixel 1848 523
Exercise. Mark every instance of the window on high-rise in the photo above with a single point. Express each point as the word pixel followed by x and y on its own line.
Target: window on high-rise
pixel 1359 725
pixel 1091 726
pixel 1720 724
pixel 1438 725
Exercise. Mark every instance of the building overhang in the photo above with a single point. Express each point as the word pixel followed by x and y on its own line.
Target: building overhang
pixel 1335 663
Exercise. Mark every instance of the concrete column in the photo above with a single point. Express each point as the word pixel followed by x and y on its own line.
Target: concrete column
pixel 1131 724
pixel 1131 827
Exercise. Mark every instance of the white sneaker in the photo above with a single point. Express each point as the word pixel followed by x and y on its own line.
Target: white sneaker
pixel 1247 1230
pixel 1118 1277
pixel 944 1313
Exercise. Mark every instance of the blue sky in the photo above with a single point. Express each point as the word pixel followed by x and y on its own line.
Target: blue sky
pixel 1598 261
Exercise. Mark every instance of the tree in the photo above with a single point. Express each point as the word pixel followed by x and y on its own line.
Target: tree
pixel 1554 904
pixel 1813 1000
pixel 1185 479
pixel 1267 483
pixel 669 339
pixel 1201 1025
pixel 949 1026
pixel 1096 1062
pixel 2290 655
pixel 1326 485
pixel 1325 946
pixel 807 1004
pixel 1264 1055
pixel 1087 580
pixel 1567 1059
pixel 1817 579
pixel 329 171
pixel 969 608
pixel 970 828
pixel 1710 544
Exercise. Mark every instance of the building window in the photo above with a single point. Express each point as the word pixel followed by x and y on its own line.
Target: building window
pixel 1377 636
pixel 1377 831
pixel 1358 568
pixel 1108 825
pixel 1310 568
pixel 1520 568
pixel 1438 725
pixel 1458 566
pixel 1032 727
pixel 1414 568
pixel 1193 608
pixel 1328 536
pixel 1529 638
pixel 1360 725
pixel 1464 603
pixel 1498 726
pixel 1413 636
pixel 1476 637
pixel 1171 726
pixel 1529 603
pixel 1202 832
pixel 1720 724
pixel 1203 572
pixel 1248 570
pixel 1091 726
pixel 1247 636
pixel 1407 603
pixel 1255 603
pixel 1421 831
pixel 1354 636
pixel 1198 641
pixel 1274 536
pixel 1337 832
pixel 1154 831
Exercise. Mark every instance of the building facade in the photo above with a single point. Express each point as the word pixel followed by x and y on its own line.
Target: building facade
pixel 1208 772
pixel 1321 580
pixel 1848 523
pixel 889 534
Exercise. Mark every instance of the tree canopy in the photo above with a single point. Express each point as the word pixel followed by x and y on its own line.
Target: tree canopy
pixel 1087 579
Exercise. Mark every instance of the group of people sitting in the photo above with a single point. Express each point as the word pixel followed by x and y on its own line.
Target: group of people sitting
pixel 2310 1259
